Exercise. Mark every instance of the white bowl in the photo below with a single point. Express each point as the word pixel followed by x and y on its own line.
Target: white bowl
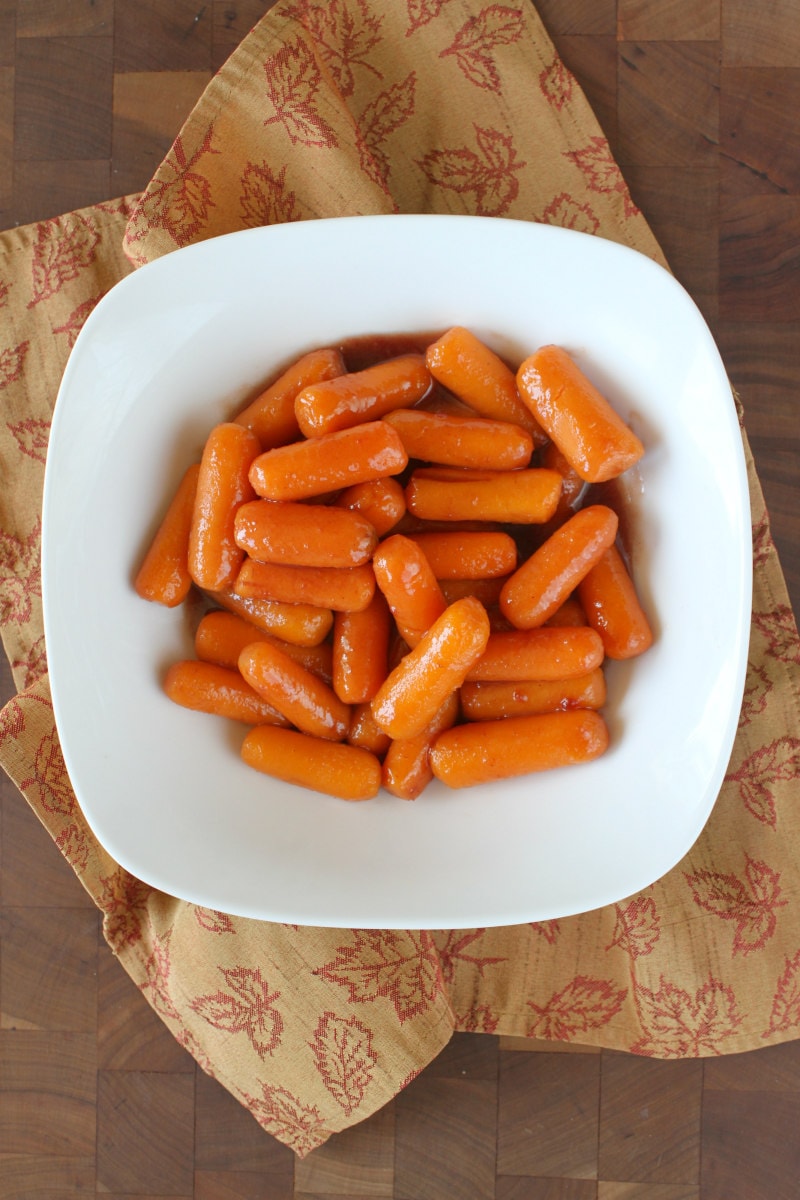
pixel 176 347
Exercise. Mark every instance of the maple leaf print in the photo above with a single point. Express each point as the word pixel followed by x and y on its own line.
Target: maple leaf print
pixel 77 318
pixel 777 762
pixel 601 172
pixel 388 964
pixel 420 12
pixel 382 116
pixel 750 902
pixel 487 176
pixel 20 577
pixel 569 214
pixel 157 968
pixel 452 948
pixel 777 627
pixel 479 1019
pixel 264 198
pixel 345 1058
pixel 31 436
pixel 556 83
pixel 34 664
pixel 74 845
pixel 678 1025
pixel 63 247
pixel 582 1005
pixel 785 1014
pixel 346 32
pixel 757 688
pixel 123 901
pixel 213 921
pixel 12 721
pixel 549 930
pixel 763 544
pixel 285 1116
pixel 12 363
pixel 180 199
pixel 637 927
pixel 49 785
pixel 248 1006
pixel 293 79
pixel 477 38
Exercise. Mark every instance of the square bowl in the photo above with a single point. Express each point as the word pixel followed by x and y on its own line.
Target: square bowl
pixel 178 346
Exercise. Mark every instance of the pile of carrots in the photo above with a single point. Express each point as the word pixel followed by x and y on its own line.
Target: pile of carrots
pixel 404 577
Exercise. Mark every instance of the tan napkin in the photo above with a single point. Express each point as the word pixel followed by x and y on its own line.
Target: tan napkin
pixel 355 107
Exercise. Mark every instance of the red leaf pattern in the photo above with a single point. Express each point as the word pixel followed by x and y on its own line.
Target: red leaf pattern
pixel 487 176
pixel 556 83
pixel 75 321
pixel 478 1019
pixel 637 927
pixel 123 899
pixel 421 12
pixel 12 363
pixel 601 172
pixel 49 785
pixel 476 40
pixel 265 199
pixel 62 249
pixel 763 544
pixel 300 1126
pixel 785 1013
pixel 157 968
pixel 777 628
pixel 34 664
pixel 750 902
pixel 398 967
pixel 382 116
pixel 345 33
pixel 569 214
pixel 19 575
pixel 180 200
pixel 213 921
pixel 248 1006
pixel 32 436
pixel 293 79
pixel 757 688
pixel 582 1005
pixel 345 1058
pixel 777 762
pixel 549 930
pixel 678 1025
pixel 452 948
pixel 74 845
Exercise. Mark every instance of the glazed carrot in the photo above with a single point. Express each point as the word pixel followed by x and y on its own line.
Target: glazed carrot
pixel 209 688
pixel 322 464
pixel 304 535
pixel 362 395
pixel 418 686
pixel 485 590
pixel 544 653
pixel 334 768
pixel 271 414
pixel 406 768
pixel 479 377
pixel 487 700
pixel 546 579
pixel 485 751
pixel 360 651
pixel 462 441
pixel 365 732
pixel 382 502
pixel 577 417
pixel 343 589
pixel 572 486
pixel 164 573
pixel 301 624
pixel 220 638
pixel 406 579
pixel 222 485
pixel 570 613
pixel 302 697
pixel 612 607
pixel 468 555
pixel 516 497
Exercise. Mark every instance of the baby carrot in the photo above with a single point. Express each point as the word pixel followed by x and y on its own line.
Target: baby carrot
pixel 222 486
pixel 418 686
pixel 304 535
pixel 343 589
pixel 301 624
pixel 406 579
pixel 322 464
pixel 164 574
pixel 479 377
pixel 570 613
pixel 578 418
pixel 529 496
pixel 382 502
pixel 544 653
pixel 612 607
pixel 485 751
pixel 365 732
pixel 493 700
pixel 221 636
pixel 334 768
pixel 271 414
pixel 362 395
pixel 469 554
pixel 545 580
pixel 360 651
pixel 302 697
pixel 406 768
pixel 572 486
pixel 485 590
pixel 462 441
pixel 209 688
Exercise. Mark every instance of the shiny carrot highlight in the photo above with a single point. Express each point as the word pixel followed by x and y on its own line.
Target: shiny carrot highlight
pixel 406 768
pixel 612 607
pixel 360 651
pixel 529 496
pixel 362 395
pixel 221 636
pixel 304 535
pixel 487 751
pixel 360 454
pixel 462 441
pixel 209 688
pixel 406 579
pixel 342 589
pixel 495 700
pixel 271 414
pixel 301 624
pixel 164 573
pixel 365 732
pixel 303 698
pixel 468 555
pixel 382 502
pixel 577 416
pixel 334 768
pixel 222 486
pixel 543 653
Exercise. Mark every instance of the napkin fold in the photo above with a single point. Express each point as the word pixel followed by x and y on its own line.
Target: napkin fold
pixel 330 109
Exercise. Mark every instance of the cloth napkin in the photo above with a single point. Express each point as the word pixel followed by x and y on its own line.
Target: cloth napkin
pixel 344 107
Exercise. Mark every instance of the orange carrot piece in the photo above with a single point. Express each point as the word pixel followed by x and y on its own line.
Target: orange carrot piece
pixel 405 577
pixel 487 751
pixel 573 488
pixel 479 377
pixel 545 580
pixel 382 502
pixel 271 414
pixel 304 535
pixel 164 573
pixel 334 768
pixel 406 768
pixel 222 486
pixel 469 554
pixel 462 441
pixel 343 589
pixel 220 638
pixel 365 732
pixel 300 624
pixel 209 688
pixel 418 686
pixel 360 651
pixel 303 698
pixel 362 395
pixel 485 590
pixel 359 454
pixel 612 607
pixel 570 613
pixel 577 417
pixel 488 700
pixel 543 653
pixel 529 496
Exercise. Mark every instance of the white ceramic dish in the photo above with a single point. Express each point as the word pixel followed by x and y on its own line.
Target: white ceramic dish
pixel 176 347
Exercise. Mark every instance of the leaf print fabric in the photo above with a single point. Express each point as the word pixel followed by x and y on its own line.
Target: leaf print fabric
pixel 329 108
